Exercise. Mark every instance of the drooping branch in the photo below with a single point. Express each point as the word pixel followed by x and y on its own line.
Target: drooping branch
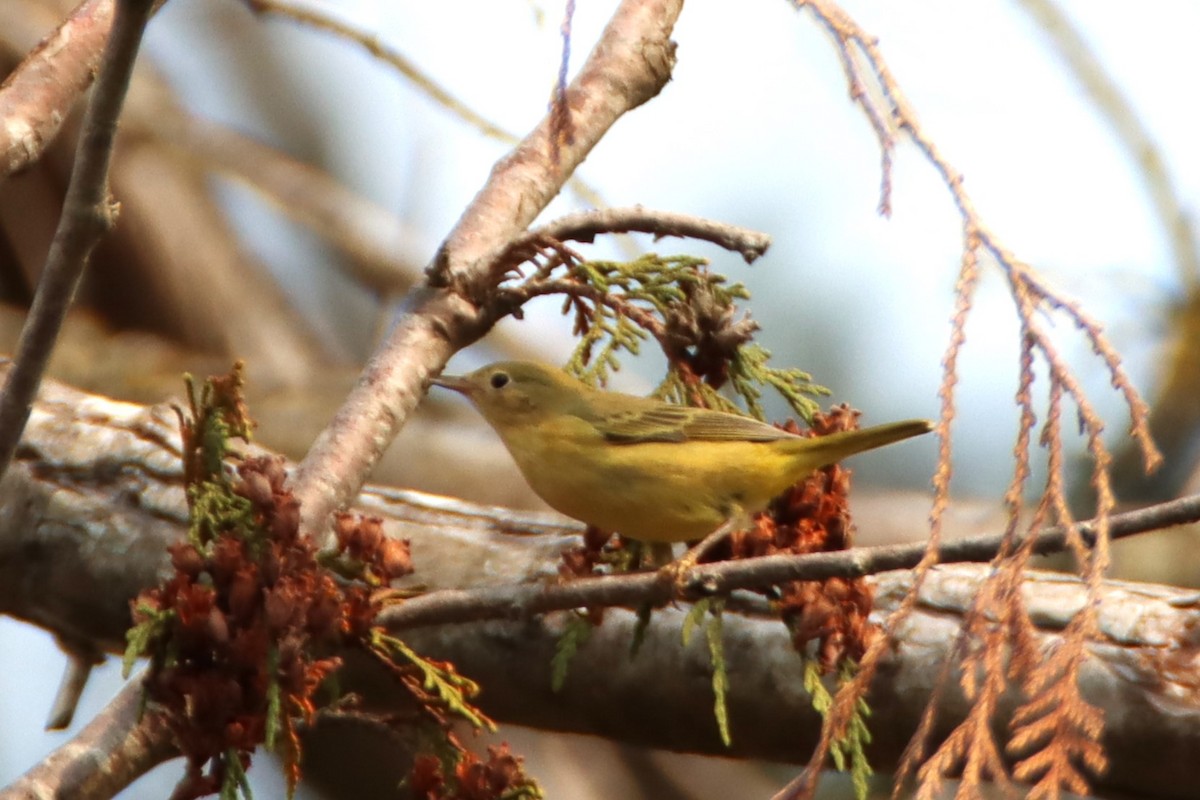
pixel 893 110
pixel 873 87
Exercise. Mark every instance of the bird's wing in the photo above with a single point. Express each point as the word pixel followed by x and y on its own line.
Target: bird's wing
pixel 662 422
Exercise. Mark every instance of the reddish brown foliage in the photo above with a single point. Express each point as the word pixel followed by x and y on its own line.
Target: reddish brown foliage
pixel 813 516
pixel 500 776
pixel 581 560
pixel 250 609
pixel 248 614
pixel 383 558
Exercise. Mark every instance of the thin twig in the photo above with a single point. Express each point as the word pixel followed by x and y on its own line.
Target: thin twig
pixel 584 226
pixel 508 299
pixel 88 212
pixel 523 600
pixel 559 111
pixel 882 125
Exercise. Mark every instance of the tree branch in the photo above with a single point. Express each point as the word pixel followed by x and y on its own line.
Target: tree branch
pixel 634 590
pixel 631 62
pixel 36 98
pixel 1140 672
pixel 584 226
pixel 96 495
pixel 111 752
pixel 88 212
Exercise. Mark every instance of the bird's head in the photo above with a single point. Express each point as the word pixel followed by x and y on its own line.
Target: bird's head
pixel 510 393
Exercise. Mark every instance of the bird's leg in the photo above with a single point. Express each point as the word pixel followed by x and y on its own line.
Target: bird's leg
pixel 692 557
pixel 677 571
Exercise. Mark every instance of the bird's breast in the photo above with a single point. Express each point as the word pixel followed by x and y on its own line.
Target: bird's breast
pixel 651 491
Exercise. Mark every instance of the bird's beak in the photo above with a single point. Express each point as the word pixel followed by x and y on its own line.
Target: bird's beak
pixel 455 383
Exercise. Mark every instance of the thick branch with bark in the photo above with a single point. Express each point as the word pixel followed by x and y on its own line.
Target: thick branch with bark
pixel 103 758
pixel 1142 674
pixel 96 494
pixel 37 97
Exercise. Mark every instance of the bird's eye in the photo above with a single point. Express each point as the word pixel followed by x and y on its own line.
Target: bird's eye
pixel 499 380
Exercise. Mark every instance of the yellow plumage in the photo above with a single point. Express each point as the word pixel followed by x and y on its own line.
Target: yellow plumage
pixel 650 470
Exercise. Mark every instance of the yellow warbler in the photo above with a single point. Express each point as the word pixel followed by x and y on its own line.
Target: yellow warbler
pixel 653 471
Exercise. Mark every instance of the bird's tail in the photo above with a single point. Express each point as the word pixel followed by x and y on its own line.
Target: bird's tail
pixel 822 450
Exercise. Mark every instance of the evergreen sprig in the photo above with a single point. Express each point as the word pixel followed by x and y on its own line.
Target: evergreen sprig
pixel 849 753
pixel 141 638
pixel 576 631
pixel 713 608
pixel 453 690
pixel 693 315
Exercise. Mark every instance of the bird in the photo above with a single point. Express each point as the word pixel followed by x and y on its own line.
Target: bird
pixel 652 471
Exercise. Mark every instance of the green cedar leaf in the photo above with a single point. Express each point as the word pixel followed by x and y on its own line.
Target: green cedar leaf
pixel 576 632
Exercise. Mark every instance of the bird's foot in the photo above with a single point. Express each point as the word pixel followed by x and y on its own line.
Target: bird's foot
pixel 677 574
